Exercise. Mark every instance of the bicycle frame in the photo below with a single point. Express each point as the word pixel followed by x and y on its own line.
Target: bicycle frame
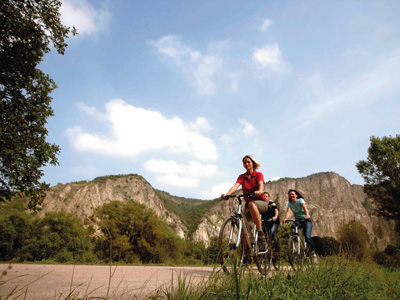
pixel 297 255
pixel 251 241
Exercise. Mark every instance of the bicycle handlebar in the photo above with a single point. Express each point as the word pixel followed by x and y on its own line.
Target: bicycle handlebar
pixel 291 221
pixel 239 196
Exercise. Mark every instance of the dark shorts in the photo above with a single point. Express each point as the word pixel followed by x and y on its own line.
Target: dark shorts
pixel 261 205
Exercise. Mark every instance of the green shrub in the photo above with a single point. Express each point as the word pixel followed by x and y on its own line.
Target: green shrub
pixel 354 239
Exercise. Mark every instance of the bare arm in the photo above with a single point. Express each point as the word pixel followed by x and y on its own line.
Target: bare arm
pixel 231 190
pixel 276 215
pixel 304 206
pixel 288 211
pixel 260 190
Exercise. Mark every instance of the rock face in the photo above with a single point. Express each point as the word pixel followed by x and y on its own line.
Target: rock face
pixel 81 199
pixel 331 200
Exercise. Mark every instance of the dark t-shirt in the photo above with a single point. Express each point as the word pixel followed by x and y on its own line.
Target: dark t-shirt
pixel 270 213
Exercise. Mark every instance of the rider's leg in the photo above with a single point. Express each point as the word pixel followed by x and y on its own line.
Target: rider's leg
pixel 255 214
pixel 257 208
pixel 307 225
pixel 274 229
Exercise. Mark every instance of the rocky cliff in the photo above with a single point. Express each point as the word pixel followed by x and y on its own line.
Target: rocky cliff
pixel 81 198
pixel 331 200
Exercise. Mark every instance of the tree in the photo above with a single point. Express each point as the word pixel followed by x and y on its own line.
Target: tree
pixel 28 28
pixel 353 238
pixel 381 173
pixel 58 236
pixel 132 232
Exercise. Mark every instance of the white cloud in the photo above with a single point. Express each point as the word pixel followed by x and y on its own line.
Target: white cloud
pixel 265 25
pixel 379 82
pixel 274 179
pixel 246 130
pixel 269 58
pixel 201 124
pixel 172 173
pixel 91 111
pixel 217 190
pixel 201 68
pixel 234 81
pixel 84 17
pixel 136 131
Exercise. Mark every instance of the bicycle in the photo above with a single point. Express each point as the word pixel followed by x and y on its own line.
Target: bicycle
pixel 297 249
pixel 235 233
pixel 275 253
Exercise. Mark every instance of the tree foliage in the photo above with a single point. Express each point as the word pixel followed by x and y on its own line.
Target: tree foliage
pixel 28 29
pixel 381 173
pixel 57 236
pixel 354 238
pixel 133 233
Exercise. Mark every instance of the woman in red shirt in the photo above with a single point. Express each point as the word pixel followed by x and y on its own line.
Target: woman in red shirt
pixel 252 182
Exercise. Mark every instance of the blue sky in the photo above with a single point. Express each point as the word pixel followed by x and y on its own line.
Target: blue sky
pixel 180 91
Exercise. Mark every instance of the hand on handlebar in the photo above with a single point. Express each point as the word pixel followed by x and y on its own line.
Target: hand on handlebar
pixel 258 193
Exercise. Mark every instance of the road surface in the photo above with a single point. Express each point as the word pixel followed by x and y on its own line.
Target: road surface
pixel 33 281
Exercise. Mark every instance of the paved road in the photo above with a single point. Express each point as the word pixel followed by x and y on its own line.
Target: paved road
pixel 127 282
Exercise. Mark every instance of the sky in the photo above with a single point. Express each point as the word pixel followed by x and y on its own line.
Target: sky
pixel 180 91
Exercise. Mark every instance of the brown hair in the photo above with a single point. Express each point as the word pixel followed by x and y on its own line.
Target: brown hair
pixel 298 195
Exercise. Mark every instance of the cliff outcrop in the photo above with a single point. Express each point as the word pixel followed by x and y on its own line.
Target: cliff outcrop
pixel 331 199
pixel 81 198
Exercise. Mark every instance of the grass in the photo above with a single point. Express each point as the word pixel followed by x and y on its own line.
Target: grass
pixel 333 278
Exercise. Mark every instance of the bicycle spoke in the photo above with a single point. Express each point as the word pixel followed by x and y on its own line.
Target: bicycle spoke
pixel 230 254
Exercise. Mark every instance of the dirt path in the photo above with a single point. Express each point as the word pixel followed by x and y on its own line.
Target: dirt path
pixel 127 282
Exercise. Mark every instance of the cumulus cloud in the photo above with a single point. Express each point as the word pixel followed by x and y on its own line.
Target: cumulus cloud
pixel 91 111
pixel 201 124
pixel 269 58
pixel 172 173
pixel 84 17
pixel 217 190
pixel 136 131
pixel 266 25
pixel 246 130
pixel 200 68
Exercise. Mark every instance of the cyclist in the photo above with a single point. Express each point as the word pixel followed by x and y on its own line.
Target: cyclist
pixel 252 182
pixel 298 207
pixel 272 213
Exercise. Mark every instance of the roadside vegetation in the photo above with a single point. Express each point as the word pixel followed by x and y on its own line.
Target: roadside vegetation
pixel 336 277
pixel 130 233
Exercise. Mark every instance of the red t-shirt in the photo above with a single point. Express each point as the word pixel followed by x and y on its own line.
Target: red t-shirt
pixel 250 185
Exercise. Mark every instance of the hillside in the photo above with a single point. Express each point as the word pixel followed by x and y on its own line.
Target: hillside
pixel 331 200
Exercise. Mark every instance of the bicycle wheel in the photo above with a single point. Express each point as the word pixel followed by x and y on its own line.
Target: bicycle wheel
pixel 263 261
pixel 276 257
pixel 295 252
pixel 230 255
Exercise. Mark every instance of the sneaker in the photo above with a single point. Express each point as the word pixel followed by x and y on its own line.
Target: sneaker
pixel 314 258
pixel 262 241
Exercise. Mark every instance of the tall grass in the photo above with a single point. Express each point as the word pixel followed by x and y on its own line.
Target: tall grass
pixel 332 278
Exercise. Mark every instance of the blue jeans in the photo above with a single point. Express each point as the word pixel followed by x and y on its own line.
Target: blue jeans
pixel 307 230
